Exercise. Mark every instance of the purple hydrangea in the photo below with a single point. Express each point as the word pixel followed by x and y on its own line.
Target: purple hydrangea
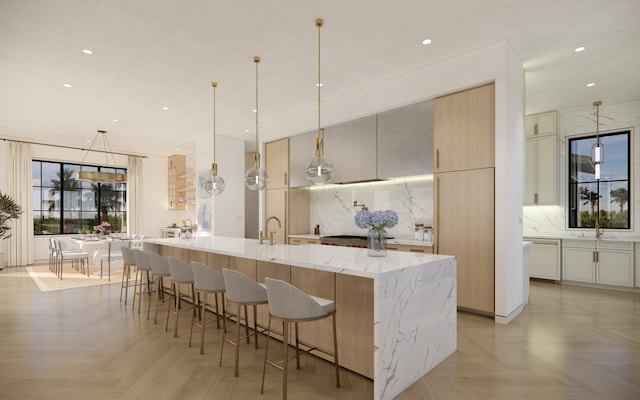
pixel 377 220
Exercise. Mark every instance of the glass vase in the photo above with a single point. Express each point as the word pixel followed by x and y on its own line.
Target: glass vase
pixel 377 243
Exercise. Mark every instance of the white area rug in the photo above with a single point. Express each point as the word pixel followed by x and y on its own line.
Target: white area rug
pixel 71 279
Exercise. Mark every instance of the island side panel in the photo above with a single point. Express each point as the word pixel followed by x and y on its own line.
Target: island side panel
pixel 415 324
pixel 354 315
pixel 321 284
pixel 276 271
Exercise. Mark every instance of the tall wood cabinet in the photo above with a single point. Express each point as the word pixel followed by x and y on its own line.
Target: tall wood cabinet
pixel 464 143
pixel 180 179
pixel 291 207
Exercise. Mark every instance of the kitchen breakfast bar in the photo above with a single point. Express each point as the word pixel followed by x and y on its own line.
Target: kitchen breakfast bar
pixel 396 315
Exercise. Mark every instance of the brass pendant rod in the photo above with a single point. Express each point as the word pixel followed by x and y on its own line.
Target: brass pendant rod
pixel 256 60
pixel 214 85
pixel 319 144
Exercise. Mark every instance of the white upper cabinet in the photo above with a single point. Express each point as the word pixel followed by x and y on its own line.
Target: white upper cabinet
pixel 540 159
pixel 405 141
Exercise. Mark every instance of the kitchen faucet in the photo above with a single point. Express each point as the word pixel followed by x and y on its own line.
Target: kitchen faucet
pixel 266 227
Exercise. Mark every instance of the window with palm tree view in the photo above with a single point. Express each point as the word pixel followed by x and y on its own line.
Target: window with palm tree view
pixel 609 195
pixel 64 205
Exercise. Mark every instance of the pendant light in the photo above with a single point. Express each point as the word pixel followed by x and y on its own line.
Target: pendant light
pixel 597 150
pixel 217 183
pixel 319 169
pixel 101 176
pixel 256 177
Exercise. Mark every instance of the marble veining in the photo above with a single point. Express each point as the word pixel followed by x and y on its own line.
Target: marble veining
pixel 414 300
pixel 332 207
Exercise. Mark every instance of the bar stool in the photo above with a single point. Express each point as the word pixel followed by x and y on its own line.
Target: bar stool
pixel 243 291
pixel 181 274
pixel 128 262
pixel 159 271
pixel 207 281
pixel 289 304
pixel 143 267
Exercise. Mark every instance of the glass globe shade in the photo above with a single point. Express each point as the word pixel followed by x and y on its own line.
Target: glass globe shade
pixel 319 170
pixel 256 178
pixel 217 185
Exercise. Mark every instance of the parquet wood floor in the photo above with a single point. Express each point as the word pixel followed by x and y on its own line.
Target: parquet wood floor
pixel 569 343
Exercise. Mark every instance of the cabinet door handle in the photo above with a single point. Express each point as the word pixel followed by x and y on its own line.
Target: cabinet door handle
pixel 437 158
pixel 535 129
pixel 535 198
pixel 597 256
pixel 286 181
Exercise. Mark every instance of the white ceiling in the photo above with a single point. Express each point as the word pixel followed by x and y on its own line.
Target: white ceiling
pixel 164 53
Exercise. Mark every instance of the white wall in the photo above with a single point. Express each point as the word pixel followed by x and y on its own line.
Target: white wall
pixel 550 221
pixel 223 214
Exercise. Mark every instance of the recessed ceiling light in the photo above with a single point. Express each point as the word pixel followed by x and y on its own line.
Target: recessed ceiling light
pixel 254 110
pixel 66 85
pixel 165 108
pixel 88 140
pixel 114 120
pixel 579 49
pixel 247 130
pixel 426 41
pixel 319 84
pixel 87 51
pixel 590 84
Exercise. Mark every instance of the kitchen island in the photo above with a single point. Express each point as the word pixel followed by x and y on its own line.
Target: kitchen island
pixel 396 315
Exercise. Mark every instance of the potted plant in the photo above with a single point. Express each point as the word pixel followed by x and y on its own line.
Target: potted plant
pixel 8 210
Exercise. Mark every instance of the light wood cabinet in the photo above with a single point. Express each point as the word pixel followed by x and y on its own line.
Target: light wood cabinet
pixel 276 206
pixel 405 141
pixel 277 163
pixel 465 229
pixel 541 161
pixel 545 256
pixel 177 196
pixel 410 248
pixel 464 130
pixel 607 263
pixel 298 241
pixel 354 319
pixel 301 149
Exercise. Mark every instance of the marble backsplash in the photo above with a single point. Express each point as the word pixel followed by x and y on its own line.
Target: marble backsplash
pixel 332 208
pixel 550 221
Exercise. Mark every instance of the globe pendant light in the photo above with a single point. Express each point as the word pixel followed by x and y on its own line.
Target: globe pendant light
pixel 217 183
pixel 319 169
pixel 597 150
pixel 256 177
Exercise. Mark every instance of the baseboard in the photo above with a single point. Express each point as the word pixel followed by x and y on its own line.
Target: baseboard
pixel 505 320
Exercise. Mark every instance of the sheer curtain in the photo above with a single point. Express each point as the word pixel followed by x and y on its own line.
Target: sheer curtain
pixel 21 244
pixel 134 195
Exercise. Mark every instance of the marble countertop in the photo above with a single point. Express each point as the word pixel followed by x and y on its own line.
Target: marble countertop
pixel 345 260
pixel 405 241
pixel 602 238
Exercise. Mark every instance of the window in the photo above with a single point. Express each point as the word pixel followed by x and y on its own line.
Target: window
pixel 63 205
pixel 610 194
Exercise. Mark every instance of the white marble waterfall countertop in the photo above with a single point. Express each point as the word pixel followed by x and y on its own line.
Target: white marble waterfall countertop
pixel 345 260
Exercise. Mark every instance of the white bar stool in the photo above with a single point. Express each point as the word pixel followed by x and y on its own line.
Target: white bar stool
pixel 289 304
pixel 245 292
pixel 207 281
pixel 159 271
pixel 181 274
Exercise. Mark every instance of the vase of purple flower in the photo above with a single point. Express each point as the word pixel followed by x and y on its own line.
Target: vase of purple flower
pixel 376 222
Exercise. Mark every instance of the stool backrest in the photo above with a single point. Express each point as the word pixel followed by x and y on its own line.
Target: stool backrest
pixel 180 270
pixel 128 256
pixel 142 260
pixel 289 302
pixel 206 278
pixel 159 265
pixel 242 289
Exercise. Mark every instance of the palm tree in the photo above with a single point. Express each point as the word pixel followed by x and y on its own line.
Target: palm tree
pixel 620 196
pixel 67 182
pixel 590 198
